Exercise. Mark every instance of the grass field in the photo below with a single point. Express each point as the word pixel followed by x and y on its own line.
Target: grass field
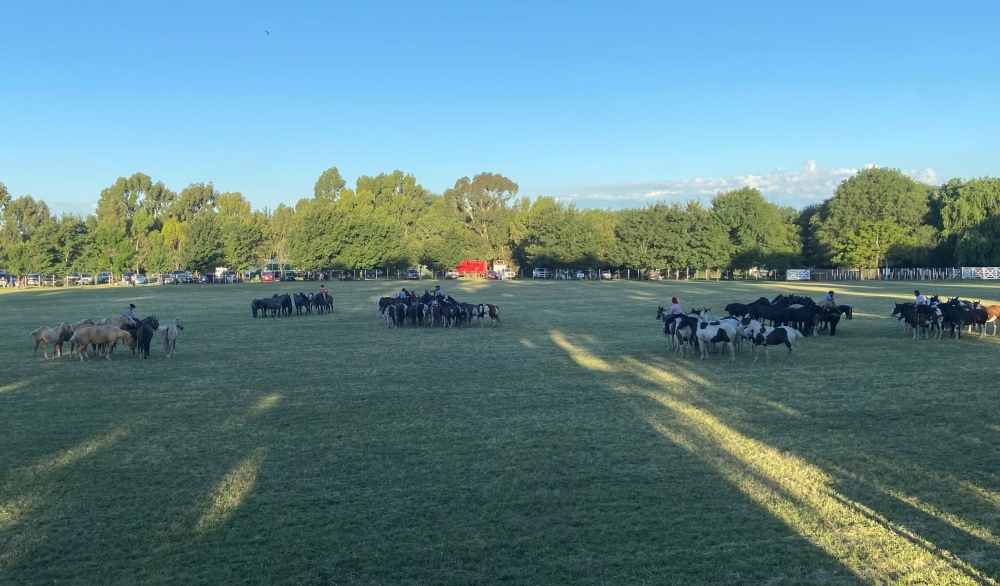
pixel 567 446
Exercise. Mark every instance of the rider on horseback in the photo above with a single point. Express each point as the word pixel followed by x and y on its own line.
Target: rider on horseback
pixel 128 314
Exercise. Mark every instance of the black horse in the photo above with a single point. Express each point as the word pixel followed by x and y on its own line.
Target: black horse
pixel 805 318
pixel 324 302
pixel 302 300
pixel 144 334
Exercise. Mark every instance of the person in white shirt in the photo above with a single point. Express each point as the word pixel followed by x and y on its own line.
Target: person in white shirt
pixel 920 299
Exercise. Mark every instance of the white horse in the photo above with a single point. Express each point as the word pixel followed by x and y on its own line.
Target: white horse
pixel 170 335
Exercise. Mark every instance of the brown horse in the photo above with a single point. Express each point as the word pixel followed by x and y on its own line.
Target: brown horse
pixel 55 336
pixel 992 316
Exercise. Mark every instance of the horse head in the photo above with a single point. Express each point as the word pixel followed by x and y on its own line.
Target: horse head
pixel 659 312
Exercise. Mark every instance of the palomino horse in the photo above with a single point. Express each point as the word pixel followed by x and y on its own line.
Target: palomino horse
pixel 99 336
pixel 55 336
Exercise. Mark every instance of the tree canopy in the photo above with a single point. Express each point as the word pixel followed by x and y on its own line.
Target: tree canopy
pixel 389 220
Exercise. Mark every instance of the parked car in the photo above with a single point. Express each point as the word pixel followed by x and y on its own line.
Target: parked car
pixel 289 276
pixel 267 276
pixel 33 279
pixel 51 281
pixel 451 274
pixel 167 279
pixel 412 275
pixel 605 274
pixel 127 278
pixel 87 279
pixel 509 274
pixel 182 277
pixel 140 279
pixel 492 275
pixel 73 279
pixel 103 278
pixel 206 279
pixel 540 273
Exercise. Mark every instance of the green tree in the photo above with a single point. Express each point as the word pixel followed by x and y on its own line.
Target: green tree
pixel 643 242
pixel 758 230
pixel 872 244
pixel 967 211
pixel 73 239
pixel 194 199
pixel 26 222
pixel 482 205
pixel 710 244
pixel 873 195
pixel 242 232
pixel 202 247
pixel 329 185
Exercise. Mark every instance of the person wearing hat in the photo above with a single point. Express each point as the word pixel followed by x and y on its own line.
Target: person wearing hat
pixel 437 291
pixel 828 301
pixel 675 307
pixel 128 313
pixel 404 294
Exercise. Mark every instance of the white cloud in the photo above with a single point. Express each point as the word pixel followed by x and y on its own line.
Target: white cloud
pixel 811 184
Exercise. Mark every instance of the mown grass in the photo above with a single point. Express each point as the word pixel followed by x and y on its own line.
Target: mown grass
pixel 566 446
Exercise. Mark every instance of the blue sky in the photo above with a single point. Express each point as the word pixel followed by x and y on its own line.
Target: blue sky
pixel 604 104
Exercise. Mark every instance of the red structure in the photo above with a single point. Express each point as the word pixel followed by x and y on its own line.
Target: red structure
pixel 472 268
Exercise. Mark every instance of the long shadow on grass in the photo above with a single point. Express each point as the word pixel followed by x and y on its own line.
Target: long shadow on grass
pixel 799 494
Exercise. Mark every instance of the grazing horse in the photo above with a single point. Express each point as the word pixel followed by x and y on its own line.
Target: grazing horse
pixel 256 306
pixel 713 333
pixel 804 318
pixel 685 329
pixel 170 335
pixel 270 304
pixel 770 312
pixel 773 338
pixel 55 336
pixel 960 315
pixel 302 300
pixel 100 336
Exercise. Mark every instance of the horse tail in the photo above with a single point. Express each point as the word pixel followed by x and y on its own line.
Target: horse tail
pixel 35 333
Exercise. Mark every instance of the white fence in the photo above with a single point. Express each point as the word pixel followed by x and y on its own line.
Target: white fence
pixel 893 274
pixel 981 272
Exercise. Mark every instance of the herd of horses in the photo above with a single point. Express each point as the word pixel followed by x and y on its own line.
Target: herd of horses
pixel 103 336
pixel 281 305
pixel 434 310
pixel 930 320
pixel 790 317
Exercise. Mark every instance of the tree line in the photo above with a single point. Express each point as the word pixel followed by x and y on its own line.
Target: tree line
pixel 390 221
